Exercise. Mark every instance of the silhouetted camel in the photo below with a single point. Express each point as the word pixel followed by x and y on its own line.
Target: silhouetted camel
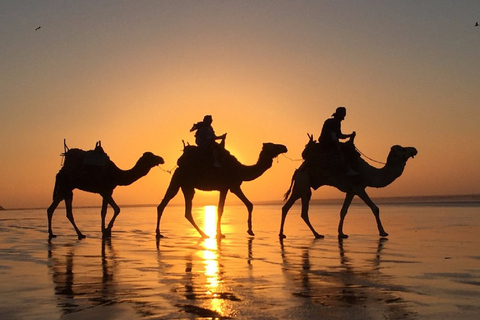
pixel 194 173
pixel 307 177
pixel 92 171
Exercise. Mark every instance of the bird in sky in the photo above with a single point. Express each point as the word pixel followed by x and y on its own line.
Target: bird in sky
pixel 41 26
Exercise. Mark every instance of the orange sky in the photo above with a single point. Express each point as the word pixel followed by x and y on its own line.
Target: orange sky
pixel 137 75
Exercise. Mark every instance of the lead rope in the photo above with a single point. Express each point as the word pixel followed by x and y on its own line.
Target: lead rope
pixel 291 158
pixel 169 171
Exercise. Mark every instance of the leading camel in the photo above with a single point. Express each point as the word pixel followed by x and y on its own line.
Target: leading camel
pixel 307 177
pixel 194 173
pixel 93 171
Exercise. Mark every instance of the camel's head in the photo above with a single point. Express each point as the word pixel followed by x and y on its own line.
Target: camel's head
pixel 150 160
pixel 399 154
pixel 273 150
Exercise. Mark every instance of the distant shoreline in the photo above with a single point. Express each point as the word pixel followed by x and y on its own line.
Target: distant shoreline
pixel 442 200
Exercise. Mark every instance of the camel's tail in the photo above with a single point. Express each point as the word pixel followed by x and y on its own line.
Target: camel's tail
pixel 287 194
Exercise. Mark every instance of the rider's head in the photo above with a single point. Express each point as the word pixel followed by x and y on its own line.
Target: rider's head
pixel 340 113
pixel 207 119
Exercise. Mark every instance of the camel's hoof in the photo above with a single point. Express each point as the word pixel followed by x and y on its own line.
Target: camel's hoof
pixel 250 232
pixel 51 236
pixel 220 236
pixel 81 236
pixel 160 236
pixel 282 236
pixel 383 234
pixel 342 236
pixel 319 236
pixel 107 233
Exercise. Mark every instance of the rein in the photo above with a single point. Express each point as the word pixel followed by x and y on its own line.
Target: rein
pixel 368 157
pixel 364 155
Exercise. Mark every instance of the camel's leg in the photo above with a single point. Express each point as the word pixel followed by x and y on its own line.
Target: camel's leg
pixel 169 195
pixel 300 186
pixel 50 212
pixel 116 211
pixel 286 207
pixel 103 213
pixel 188 193
pixel 305 205
pixel 239 193
pixel 376 211
pixel 343 212
pixel 220 208
pixel 68 205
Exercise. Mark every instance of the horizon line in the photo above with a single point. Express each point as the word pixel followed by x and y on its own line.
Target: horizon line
pixel 447 199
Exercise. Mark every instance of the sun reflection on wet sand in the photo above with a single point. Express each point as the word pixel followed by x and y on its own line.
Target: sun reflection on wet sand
pixel 427 269
pixel 211 255
pixel 210 222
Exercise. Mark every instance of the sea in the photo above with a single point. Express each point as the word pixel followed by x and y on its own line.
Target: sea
pixel 427 268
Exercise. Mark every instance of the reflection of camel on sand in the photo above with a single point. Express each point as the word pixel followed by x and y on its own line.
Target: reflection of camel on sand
pixel 93 171
pixel 359 286
pixel 307 177
pixel 193 173
pixel 76 289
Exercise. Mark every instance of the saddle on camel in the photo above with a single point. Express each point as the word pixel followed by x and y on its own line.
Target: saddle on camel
pixel 328 162
pixel 204 159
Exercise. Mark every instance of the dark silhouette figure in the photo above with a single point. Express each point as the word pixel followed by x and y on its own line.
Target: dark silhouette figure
pixel 38 28
pixel 195 171
pixel 329 140
pixel 476 24
pixel 205 138
pixel 313 175
pixel 93 171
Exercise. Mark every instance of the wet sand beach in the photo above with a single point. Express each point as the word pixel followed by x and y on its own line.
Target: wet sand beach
pixel 428 268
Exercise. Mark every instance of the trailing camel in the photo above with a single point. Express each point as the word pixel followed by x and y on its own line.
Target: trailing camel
pixel 93 171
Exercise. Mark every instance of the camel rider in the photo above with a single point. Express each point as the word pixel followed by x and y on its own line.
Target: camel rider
pixel 329 140
pixel 205 138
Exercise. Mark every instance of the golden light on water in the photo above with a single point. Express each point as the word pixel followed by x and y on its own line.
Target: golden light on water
pixel 210 254
pixel 214 286
pixel 210 221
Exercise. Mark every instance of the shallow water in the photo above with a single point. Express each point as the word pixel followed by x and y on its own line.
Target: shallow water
pixel 429 267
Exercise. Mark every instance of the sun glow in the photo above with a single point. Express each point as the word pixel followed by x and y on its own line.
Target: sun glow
pixel 210 222
pixel 211 256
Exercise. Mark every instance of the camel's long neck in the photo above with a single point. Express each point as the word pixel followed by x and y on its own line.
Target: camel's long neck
pixel 381 177
pixel 252 172
pixel 127 177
